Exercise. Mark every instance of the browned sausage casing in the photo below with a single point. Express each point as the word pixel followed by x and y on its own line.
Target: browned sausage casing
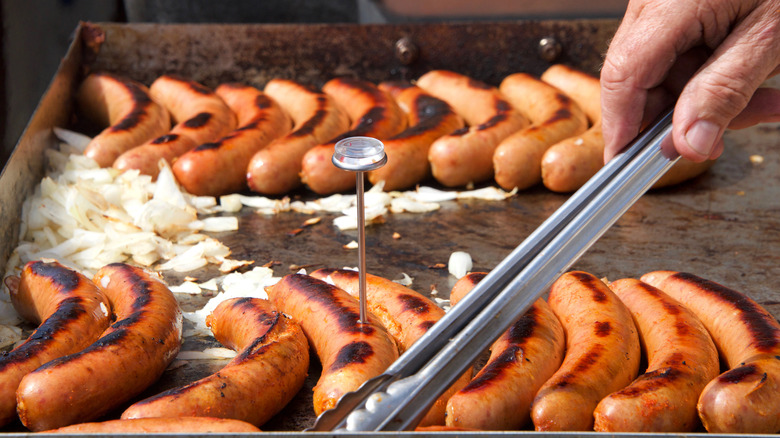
pixel 602 353
pixel 270 368
pixel 130 355
pixel 566 166
pixel 276 169
pixel 521 360
pixel 746 398
pixel 554 117
pixel 681 360
pixel 125 106
pixel 351 352
pixel 407 152
pixel 71 311
pixel 466 155
pixel 200 116
pixel 406 315
pixel 374 113
pixel 219 168
pixel 160 425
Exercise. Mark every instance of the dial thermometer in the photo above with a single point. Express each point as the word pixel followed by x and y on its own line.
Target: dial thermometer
pixel 360 155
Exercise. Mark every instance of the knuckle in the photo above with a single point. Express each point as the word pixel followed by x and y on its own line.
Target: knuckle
pixel 727 90
pixel 613 73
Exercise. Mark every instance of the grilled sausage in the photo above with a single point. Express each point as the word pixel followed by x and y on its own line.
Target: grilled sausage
pixel 466 155
pixel 406 315
pixel 554 117
pixel 351 352
pixel 602 353
pixel 219 168
pixel 683 170
pixel 407 152
pixel 71 311
pixel 126 108
pixel 159 425
pixel 276 169
pixel 201 117
pixel 681 360
pixel 746 398
pixel 566 166
pixel 130 355
pixel 272 354
pixel 464 285
pixel 521 360
pixel 435 429
pixel 374 113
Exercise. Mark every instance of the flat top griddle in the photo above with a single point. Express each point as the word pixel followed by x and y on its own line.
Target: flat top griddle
pixel 722 225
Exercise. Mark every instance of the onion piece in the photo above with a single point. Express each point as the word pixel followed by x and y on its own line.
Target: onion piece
pixel 188 287
pixel 459 264
pixel 230 203
pixel 74 139
pixel 235 285
pixel 9 334
pixel 215 224
pixel 405 280
pixel 490 193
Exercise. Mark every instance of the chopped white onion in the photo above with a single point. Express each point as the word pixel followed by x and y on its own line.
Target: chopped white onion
pixel 459 264
pixel 188 287
pixel 410 205
pixel 405 280
pixel 231 203
pixel 487 194
pixel 74 139
pixel 9 335
pixel 215 224
pixel 429 194
pixel 234 285
pixel 209 285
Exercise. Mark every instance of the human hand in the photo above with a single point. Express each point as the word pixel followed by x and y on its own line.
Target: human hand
pixel 714 54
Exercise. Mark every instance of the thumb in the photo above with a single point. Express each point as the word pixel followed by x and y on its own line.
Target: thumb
pixel 725 84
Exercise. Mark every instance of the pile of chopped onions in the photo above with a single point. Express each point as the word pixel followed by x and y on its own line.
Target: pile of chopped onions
pixel 86 217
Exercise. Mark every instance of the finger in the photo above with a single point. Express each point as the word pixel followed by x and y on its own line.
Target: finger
pixel 725 84
pixel 764 107
pixel 662 97
pixel 644 49
pixel 658 100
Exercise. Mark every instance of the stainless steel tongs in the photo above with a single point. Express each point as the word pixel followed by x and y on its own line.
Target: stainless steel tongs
pixel 399 398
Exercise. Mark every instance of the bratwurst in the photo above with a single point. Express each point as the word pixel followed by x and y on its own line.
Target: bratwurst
pixel 129 356
pixel 72 313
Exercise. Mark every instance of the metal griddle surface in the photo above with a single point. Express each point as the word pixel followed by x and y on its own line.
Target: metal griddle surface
pixel 722 225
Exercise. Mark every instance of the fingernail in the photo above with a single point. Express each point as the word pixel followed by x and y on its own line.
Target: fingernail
pixel 701 137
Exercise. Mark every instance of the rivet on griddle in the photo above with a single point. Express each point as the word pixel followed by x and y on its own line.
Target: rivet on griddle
pixel 549 49
pixel 360 154
pixel 406 51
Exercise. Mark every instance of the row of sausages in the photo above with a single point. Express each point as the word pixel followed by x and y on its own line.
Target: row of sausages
pixel 571 362
pixel 457 129
pixel 101 342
